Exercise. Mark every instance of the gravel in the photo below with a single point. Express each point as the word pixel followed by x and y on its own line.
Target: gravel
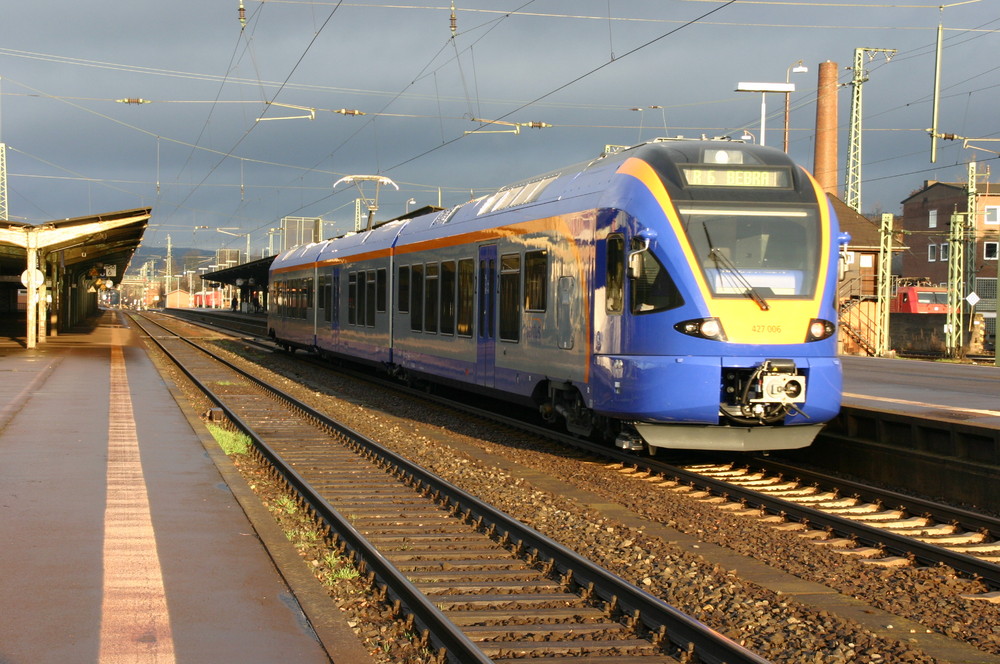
pixel 775 626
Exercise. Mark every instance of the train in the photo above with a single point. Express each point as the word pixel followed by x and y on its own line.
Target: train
pixel 675 294
pixel 920 300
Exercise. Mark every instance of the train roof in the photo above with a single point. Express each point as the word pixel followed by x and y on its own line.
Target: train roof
pixel 570 186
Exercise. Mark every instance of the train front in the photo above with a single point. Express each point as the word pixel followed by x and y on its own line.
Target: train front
pixel 726 337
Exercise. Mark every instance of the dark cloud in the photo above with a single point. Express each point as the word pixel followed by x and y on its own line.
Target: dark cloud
pixel 199 156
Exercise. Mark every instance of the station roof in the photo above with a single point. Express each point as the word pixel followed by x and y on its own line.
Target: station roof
pixel 96 241
pixel 254 270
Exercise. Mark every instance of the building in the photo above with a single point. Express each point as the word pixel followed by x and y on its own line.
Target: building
pixel 926 226
pixel 859 284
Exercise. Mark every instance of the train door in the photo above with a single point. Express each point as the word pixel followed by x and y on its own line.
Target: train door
pixel 486 329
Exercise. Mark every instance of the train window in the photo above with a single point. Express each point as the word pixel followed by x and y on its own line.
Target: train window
pixel 536 280
pixel 431 297
pixel 448 297
pixel 653 290
pixel 324 296
pixel 380 287
pixel 510 297
pixel 614 292
pixel 417 298
pixel 466 296
pixel 299 309
pixel 307 300
pixel 352 298
pixel 362 296
pixel 403 295
pixel 335 298
pixel 370 298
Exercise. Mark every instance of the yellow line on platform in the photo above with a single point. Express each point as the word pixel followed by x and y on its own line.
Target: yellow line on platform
pixel 135 622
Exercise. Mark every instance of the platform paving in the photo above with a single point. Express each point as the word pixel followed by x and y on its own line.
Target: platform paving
pixel 119 539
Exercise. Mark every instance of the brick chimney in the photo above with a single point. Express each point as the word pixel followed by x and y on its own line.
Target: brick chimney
pixel 825 155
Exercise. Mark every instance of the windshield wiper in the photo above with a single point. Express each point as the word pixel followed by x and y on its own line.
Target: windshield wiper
pixel 751 292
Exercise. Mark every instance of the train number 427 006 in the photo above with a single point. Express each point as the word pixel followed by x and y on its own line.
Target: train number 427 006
pixel 769 329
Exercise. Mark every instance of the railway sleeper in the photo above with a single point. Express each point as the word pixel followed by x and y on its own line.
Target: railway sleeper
pixel 472 576
pixel 531 616
pixel 524 586
pixel 440 556
pixel 504 602
pixel 562 631
pixel 547 648
pixel 407 567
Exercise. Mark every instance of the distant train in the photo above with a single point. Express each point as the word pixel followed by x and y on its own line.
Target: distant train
pixel 675 294
pixel 920 300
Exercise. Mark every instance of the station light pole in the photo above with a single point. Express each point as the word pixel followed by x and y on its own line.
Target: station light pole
pixel 797 68
pixel 763 89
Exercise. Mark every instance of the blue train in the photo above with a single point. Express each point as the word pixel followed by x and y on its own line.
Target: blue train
pixel 676 294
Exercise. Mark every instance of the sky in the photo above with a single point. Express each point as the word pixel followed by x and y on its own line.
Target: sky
pixel 220 150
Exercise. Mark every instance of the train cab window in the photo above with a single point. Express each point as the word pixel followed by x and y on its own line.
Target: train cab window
pixel 614 292
pixel 510 297
pixel 403 294
pixel 370 298
pixel 772 250
pixel 417 298
pixel 466 296
pixel 431 271
pixel 536 280
pixel 447 298
pixel 653 289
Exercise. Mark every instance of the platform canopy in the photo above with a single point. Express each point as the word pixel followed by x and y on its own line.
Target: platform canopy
pixel 102 242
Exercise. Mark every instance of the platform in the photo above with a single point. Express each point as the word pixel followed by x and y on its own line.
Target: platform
pixel 120 539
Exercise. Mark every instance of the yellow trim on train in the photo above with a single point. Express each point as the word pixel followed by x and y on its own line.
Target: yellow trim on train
pixel 787 321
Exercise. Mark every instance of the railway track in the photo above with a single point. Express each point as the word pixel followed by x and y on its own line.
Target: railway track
pixel 484 587
pixel 883 526
pixel 879 525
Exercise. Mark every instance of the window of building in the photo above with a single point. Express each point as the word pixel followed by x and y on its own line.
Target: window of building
pixel 943 253
pixel 991 214
pixel 510 297
pixel 932 219
pixel 536 280
pixel 931 253
pixel 990 250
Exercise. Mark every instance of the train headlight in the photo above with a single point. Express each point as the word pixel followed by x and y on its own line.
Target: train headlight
pixel 820 329
pixel 704 328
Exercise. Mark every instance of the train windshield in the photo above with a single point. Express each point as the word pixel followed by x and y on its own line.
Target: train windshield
pixel 932 297
pixel 756 251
